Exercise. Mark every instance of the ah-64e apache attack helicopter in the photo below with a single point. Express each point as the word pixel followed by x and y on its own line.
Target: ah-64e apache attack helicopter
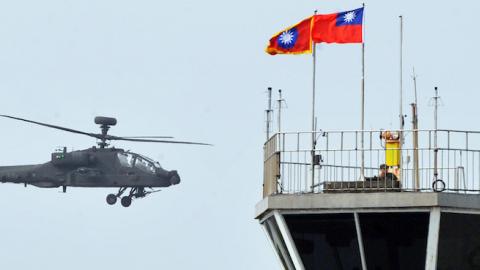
pixel 101 166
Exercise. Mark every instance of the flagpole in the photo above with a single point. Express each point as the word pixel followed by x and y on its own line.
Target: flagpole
pixel 313 113
pixel 400 163
pixel 362 173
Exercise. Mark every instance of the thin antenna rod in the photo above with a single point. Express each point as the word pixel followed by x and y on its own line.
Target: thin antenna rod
pixel 414 76
pixel 436 111
pixel 435 98
pixel 279 110
pixel 269 111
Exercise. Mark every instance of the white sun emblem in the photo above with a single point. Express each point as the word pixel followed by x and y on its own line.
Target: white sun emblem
pixel 349 17
pixel 286 37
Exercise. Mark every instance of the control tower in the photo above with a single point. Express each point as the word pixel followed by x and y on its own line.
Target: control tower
pixel 382 206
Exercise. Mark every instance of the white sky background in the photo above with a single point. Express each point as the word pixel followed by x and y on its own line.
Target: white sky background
pixel 196 70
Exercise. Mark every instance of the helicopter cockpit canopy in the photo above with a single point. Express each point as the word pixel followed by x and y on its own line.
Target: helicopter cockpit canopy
pixel 142 163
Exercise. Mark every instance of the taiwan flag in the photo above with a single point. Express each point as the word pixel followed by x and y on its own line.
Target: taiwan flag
pixel 341 27
pixel 293 40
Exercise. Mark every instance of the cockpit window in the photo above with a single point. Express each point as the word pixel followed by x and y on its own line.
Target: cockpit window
pixel 126 159
pixel 144 165
pixel 131 160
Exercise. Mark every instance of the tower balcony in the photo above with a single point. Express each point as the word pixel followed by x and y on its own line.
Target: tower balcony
pixel 426 161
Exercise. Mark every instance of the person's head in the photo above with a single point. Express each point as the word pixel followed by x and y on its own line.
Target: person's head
pixel 383 170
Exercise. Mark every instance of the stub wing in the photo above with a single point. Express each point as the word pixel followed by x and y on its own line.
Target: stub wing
pixel 27 174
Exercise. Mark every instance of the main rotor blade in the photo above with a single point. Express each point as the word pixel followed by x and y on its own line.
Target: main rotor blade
pixel 147 137
pixel 107 137
pixel 154 141
pixel 53 126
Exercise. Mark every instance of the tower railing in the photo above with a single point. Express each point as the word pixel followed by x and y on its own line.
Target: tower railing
pixel 452 166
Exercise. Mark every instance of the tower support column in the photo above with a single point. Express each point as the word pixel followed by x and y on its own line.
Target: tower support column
pixel 432 240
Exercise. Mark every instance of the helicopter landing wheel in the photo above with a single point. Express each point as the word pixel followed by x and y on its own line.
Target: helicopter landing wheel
pixel 111 199
pixel 126 201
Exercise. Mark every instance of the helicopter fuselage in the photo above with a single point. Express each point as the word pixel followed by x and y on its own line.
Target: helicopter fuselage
pixel 93 167
pixel 97 167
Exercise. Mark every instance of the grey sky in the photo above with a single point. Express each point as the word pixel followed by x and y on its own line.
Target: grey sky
pixel 196 70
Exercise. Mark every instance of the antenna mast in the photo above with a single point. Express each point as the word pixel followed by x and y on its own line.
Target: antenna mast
pixel 416 174
pixel 268 112
pixel 414 76
pixel 280 100
pixel 435 145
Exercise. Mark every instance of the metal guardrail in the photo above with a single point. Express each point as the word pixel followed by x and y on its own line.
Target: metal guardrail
pixel 454 162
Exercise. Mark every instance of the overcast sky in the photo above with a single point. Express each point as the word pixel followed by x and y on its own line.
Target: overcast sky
pixel 197 70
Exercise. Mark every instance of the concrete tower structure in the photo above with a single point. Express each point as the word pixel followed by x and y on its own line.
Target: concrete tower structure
pixel 422 215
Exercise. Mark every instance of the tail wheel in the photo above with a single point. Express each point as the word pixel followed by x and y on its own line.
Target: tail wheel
pixel 126 201
pixel 111 199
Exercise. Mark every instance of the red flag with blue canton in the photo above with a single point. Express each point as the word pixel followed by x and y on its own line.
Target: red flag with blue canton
pixel 341 27
pixel 296 39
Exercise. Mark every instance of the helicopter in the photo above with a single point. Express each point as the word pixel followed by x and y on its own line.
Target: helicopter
pixel 135 175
